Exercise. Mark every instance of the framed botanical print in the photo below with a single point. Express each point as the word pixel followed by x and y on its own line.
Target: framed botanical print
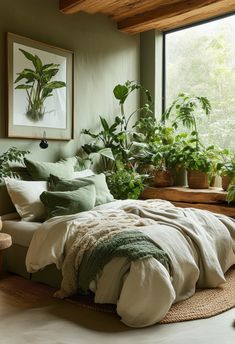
pixel 40 90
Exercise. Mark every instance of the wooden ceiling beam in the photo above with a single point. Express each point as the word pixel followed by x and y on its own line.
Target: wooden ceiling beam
pixel 89 6
pixel 134 16
pixel 175 15
pixel 135 7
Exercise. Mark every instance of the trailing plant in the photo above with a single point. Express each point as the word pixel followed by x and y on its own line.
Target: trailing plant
pixel 38 85
pixel 11 155
pixel 125 183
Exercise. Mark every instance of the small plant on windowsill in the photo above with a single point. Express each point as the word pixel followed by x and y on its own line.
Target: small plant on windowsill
pixel 198 165
pixel 226 168
pixel 186 108
pixel 11 155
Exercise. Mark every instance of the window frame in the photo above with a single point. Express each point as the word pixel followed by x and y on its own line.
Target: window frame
pixel 164 48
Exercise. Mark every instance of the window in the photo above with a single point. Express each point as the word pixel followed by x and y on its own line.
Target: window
pixel 200 60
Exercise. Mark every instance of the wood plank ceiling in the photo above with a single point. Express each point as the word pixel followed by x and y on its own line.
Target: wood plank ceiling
pixel 134 16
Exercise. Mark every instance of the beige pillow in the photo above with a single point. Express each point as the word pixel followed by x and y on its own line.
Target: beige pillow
pixel 25 195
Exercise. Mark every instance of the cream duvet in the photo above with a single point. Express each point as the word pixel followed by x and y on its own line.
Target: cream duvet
pixel 199 244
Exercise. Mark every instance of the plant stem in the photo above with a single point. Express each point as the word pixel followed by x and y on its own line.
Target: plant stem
pixel 196 132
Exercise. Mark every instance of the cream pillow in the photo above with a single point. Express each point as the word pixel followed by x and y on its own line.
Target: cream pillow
pixel 82 174
pixel 25 195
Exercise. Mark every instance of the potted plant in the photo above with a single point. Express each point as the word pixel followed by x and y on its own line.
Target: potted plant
pixel 118 136
pixel 125 183
pixel 198 165
pixel 186 109
pixel 226 168
pixel 163 175
pixel 161 147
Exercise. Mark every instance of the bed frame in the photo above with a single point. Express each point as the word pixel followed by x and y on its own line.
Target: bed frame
pixel 14 257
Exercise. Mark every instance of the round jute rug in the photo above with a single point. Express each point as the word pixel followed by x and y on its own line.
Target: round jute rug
pixel 205 303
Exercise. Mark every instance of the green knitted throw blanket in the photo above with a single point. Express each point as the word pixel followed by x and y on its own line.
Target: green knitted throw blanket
pixel 131 244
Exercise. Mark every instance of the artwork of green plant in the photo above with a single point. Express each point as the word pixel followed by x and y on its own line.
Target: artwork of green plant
pixel 38 85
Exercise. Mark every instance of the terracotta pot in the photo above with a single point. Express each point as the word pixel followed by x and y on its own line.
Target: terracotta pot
pixel 226 180
pixel 163 178
pixel 197 179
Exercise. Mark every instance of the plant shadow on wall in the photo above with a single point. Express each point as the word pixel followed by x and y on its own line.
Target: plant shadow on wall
pixel 152 151
pixel 37 85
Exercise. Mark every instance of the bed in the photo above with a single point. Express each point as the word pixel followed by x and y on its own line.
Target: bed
pixel 200 246
pixel 160 252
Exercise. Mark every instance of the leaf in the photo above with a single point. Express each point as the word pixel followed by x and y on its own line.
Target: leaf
pixel 38 64
pixel 27 74
pixel 231 193
pixel 149 97
pixel 50 66
pixel 23 87
pixel 104 123
pixel 107 152
pixel 121 92
pixel 48 74
pixel 28 55
pixel 46 93
pixel 34 59
pixel 55 84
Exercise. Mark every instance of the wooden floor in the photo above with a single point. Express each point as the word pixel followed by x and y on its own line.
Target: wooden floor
pixel 17 293
pixel 30 314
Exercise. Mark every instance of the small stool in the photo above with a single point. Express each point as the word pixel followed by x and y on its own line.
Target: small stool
pixel 5 242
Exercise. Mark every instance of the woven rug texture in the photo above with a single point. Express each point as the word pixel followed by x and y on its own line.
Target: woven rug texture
pixel 205 303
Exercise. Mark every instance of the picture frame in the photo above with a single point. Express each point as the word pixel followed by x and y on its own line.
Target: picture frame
pixel 40 89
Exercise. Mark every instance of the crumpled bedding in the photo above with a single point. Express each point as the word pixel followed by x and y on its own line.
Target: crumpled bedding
pixel 201 247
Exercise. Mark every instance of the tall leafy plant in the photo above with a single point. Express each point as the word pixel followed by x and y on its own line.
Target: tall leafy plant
pixel 38 85
pixel 118 135
pixel 186 109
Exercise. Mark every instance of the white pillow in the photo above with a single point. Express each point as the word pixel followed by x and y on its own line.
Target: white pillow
pixel 82 174
pixel 25 195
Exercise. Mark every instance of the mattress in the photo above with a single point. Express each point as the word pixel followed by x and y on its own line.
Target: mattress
pixel 14 257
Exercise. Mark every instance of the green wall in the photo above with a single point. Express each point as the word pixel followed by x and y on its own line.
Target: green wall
pixel 103 57
pixel 151 45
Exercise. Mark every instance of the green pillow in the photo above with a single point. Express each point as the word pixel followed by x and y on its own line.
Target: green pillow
pixel 68 202
pixel 103 194
pixel 57 184
pixel 40 170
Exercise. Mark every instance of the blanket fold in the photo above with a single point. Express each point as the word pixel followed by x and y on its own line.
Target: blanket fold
pixel 130 244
